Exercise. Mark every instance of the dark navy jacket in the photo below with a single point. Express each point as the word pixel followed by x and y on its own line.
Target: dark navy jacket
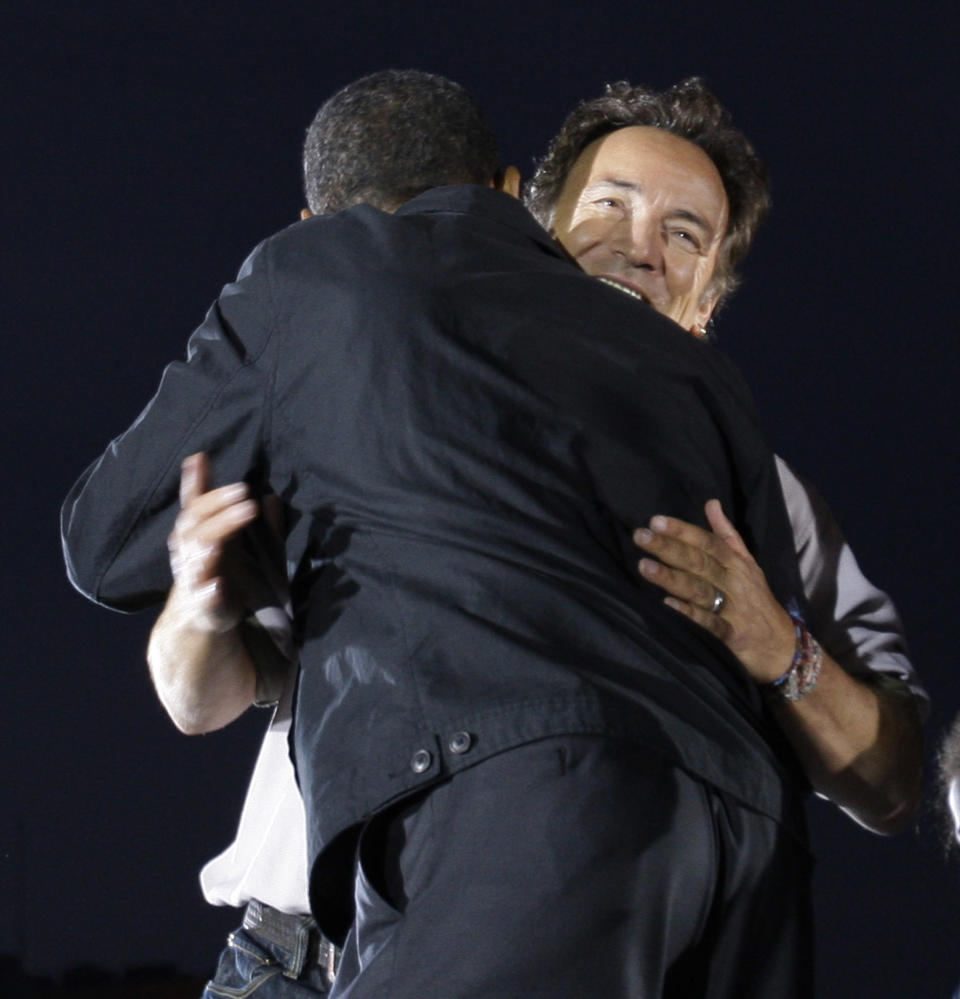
pixel 466 429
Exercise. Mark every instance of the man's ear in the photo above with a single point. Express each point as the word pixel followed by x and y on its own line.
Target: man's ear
pixel 700 327
pixel 508 181
pixel 305 214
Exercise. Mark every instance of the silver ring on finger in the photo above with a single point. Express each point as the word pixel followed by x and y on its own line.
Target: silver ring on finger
pixel 719 599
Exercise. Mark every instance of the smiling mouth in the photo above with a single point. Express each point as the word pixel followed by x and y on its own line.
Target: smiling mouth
pixel 625 288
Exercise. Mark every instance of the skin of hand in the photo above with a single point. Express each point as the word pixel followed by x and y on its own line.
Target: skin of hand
pixel 694 564
pixel 198 546
pixel 859 747
pixel 200 666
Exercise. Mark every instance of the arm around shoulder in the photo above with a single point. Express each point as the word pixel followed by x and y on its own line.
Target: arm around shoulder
pixel 868 688
pixel 859 742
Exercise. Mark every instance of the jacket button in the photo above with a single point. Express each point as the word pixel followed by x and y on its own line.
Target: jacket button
pixel 460 742
pixel 421 761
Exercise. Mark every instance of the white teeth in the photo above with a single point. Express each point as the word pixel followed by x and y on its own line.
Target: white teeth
pixel 624 289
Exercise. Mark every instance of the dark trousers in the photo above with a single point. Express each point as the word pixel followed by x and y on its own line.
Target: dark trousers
pixel 577 867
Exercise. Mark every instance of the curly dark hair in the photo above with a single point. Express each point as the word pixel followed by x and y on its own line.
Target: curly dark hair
pixel 689 110
pixel 392 135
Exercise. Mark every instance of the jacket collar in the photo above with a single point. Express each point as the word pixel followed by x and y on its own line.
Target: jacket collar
pixel 494 205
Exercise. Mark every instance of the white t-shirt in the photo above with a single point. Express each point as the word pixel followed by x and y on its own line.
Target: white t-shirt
pixel 268 858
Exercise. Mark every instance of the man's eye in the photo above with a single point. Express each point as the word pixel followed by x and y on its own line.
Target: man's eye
pixel 607 202
pixel 685 238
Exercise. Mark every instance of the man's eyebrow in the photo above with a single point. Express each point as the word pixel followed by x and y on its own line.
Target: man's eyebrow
pixel 627 185
pixel 684 214
pixel 687 216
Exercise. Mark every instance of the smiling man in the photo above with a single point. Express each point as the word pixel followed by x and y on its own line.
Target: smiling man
pixel 647 210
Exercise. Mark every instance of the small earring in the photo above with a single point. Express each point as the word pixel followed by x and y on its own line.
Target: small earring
pixel 703 331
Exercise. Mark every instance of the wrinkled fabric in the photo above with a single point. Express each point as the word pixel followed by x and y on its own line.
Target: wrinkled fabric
pixel 464 429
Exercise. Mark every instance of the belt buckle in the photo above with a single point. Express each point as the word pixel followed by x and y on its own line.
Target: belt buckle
pixel 329 958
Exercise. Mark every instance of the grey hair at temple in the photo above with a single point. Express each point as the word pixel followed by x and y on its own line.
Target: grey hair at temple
pixel 392 135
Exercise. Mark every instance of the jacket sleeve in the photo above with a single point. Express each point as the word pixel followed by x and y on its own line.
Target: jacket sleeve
pixel 857 622
pixel 116 518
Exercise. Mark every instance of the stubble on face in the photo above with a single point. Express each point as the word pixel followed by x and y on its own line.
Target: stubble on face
pixel 647 210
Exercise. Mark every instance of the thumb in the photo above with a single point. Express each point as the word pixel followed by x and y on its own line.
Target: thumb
pixel 194 472
pixel 723 527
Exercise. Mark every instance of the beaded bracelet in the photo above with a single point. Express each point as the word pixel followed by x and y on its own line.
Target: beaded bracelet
pixel 804 670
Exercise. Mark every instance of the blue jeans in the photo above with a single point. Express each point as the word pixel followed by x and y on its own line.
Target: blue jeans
pixel 252 966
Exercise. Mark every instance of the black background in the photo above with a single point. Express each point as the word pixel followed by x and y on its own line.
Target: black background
pixel 148 147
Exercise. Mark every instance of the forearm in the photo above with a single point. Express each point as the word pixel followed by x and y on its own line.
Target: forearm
pixel 859 745
pixel 204 678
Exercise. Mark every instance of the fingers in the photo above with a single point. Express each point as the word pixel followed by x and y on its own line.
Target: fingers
pixel 682 546
pixel 198 557
pixel 686 586
pixel 707 620
pixel 723 527
pixel 677 538
pixel 202 528
pixel 218 508
pixel 194 473
pixel 690 565
pixel 203 594
pixel 204 525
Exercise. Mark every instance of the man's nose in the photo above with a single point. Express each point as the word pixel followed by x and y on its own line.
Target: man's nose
pixel 638 242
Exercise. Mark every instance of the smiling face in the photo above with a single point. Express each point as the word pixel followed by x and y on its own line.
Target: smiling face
pixel 647 210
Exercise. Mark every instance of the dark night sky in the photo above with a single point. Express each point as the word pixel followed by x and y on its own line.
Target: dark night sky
pixel 149 147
